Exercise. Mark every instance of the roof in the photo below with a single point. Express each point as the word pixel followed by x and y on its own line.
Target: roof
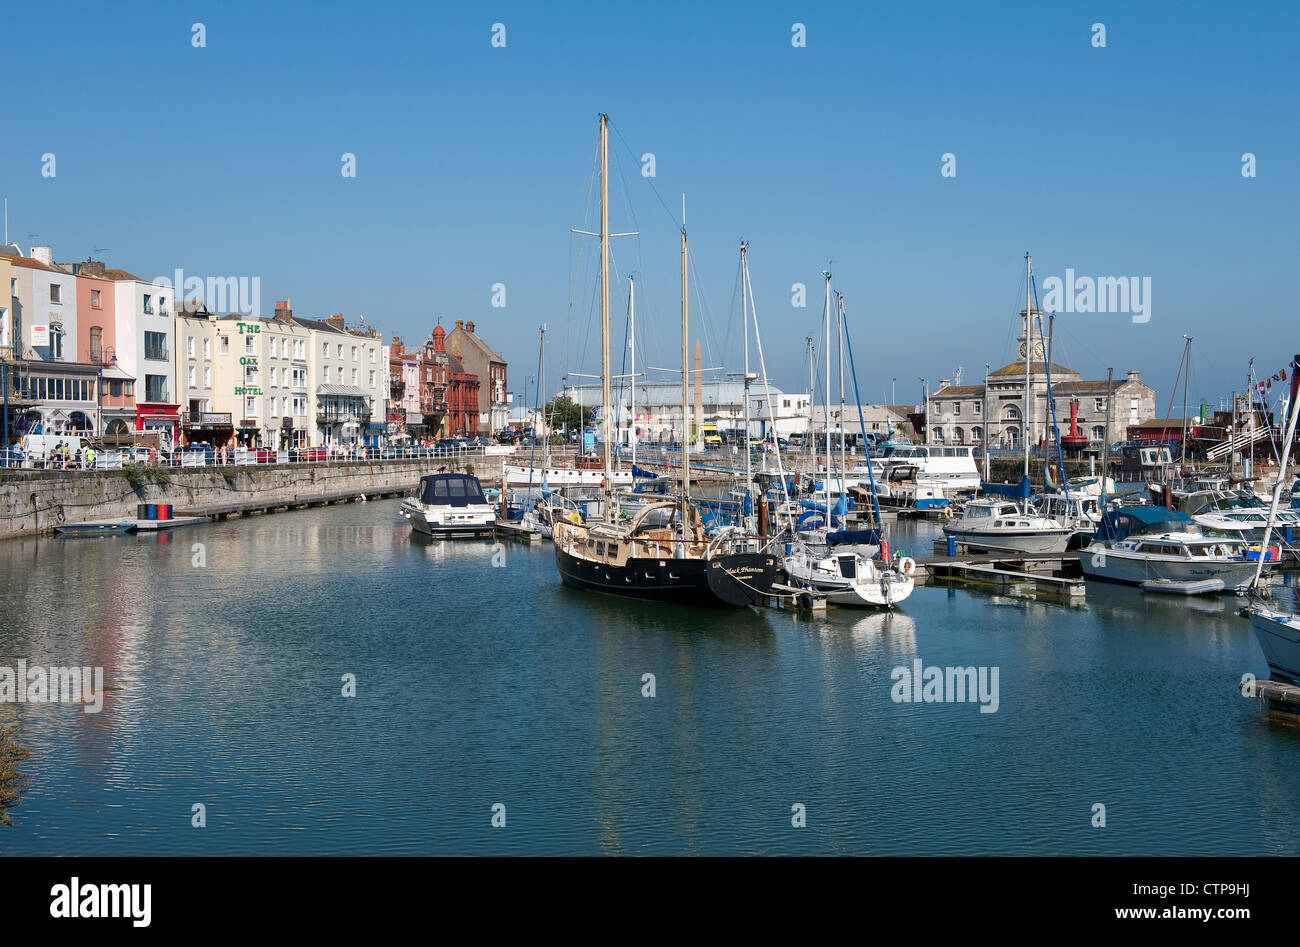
pixel 1171 423
pixel 478 343
pixel 122 275
pixel 1085 387
pixel 35 264
pixel 958 391
pixel 320 325
pixel 1035 368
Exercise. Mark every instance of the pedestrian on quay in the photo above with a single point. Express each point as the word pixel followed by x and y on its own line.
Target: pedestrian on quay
pixel 90 458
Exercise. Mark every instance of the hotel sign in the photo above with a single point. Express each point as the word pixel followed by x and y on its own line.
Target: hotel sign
pixel 248 327
pixel 244 390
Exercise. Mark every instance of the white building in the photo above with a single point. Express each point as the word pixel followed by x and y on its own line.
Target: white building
pixel 145 340
pixel 347 393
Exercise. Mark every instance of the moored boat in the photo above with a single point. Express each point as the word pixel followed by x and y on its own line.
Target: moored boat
pixel 449 505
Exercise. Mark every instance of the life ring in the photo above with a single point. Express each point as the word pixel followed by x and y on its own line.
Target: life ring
pixel 907 565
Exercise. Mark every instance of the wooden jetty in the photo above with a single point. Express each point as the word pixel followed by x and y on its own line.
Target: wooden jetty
pixel 222 511
pixel 1056 574
pixel 1279 701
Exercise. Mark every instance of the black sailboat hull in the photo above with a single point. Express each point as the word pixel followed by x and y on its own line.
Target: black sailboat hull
pixel 730 580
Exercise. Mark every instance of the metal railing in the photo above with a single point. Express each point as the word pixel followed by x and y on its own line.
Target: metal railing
pixel 240 456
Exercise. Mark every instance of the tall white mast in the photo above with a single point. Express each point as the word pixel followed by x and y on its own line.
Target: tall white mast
pixel 631 344
pixel 839 337
pixel 1294 405
pixel 744 309
pixel 826 421
pixel 1187 375
pixel 1029 338
pixel 607 431
pixel 686 423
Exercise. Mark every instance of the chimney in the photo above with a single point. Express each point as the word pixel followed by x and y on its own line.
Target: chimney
pixel 44 255
pixel 92 268
pixel 335 319
pixel 460 323
pixel 1134 376
pixel 283 311
pixel 469 327
pixel 943 383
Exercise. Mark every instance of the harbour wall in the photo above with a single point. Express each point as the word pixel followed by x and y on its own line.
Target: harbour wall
pixel 36 501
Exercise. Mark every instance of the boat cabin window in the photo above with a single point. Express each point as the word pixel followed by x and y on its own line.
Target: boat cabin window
pixel 612 549
pixel 600 548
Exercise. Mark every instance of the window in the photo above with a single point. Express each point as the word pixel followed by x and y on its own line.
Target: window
pixel 978 408
pixel 1101 404
pixel 155 388
pixel 354 376
pixel 340 354
pixel 148 303
pixel 56 344
pixel 155 346
pixel 340 374
pixel 956 408
pixel 225 345
pixel 56 293
pixel 94 299
pixel 207 348
pixel 959 435
pixel 114 388
pixel 354 353
pixel 1098 433
pixel 372 384
pixel 190 346
pixel 96 343
pixel 194 374
pixel 128 389
pixel 938 434
pixel 250 346
pixel 977 434
pixel 162 305
pixel 207 376
pixel 324 350
pixel 250 406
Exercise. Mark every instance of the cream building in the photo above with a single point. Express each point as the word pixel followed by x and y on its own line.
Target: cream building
pixel 997 414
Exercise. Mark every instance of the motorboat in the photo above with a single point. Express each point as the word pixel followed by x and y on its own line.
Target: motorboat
pixel 1138 544
pixel 449 505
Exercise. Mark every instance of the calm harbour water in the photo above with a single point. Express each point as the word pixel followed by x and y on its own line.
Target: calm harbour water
pixel 479 685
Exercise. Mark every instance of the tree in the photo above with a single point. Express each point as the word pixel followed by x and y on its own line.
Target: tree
pixel 563 412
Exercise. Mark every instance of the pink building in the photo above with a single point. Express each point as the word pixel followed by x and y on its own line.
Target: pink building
pixel 97 332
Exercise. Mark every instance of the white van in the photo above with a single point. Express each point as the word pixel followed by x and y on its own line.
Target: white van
pixel 37 448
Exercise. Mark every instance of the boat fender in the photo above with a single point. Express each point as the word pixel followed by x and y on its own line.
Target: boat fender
pixel 805 601
pixel 907 565
pixel 575 519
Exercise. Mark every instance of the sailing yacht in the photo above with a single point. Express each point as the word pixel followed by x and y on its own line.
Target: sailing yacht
pixel 844 565
pixel 663 551
pixel 1276 630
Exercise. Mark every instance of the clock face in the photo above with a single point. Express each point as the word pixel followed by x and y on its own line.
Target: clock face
pixel 1038 350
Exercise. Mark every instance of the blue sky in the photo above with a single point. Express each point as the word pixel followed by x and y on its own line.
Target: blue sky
pixel 473 163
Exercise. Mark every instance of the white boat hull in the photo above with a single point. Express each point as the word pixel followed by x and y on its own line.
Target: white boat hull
pixel 522 476
pixel 879 589
pixel 1006 540
pixel 1113 565
pixel 449 522
pixel 1278 635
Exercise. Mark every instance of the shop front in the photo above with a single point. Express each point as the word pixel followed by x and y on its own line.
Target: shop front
pixel 213 428
pixel 165 419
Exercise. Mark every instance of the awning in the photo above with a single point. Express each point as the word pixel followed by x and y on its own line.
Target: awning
pixel 341 391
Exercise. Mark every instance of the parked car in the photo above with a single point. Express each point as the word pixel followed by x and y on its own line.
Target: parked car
pixel 305 454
